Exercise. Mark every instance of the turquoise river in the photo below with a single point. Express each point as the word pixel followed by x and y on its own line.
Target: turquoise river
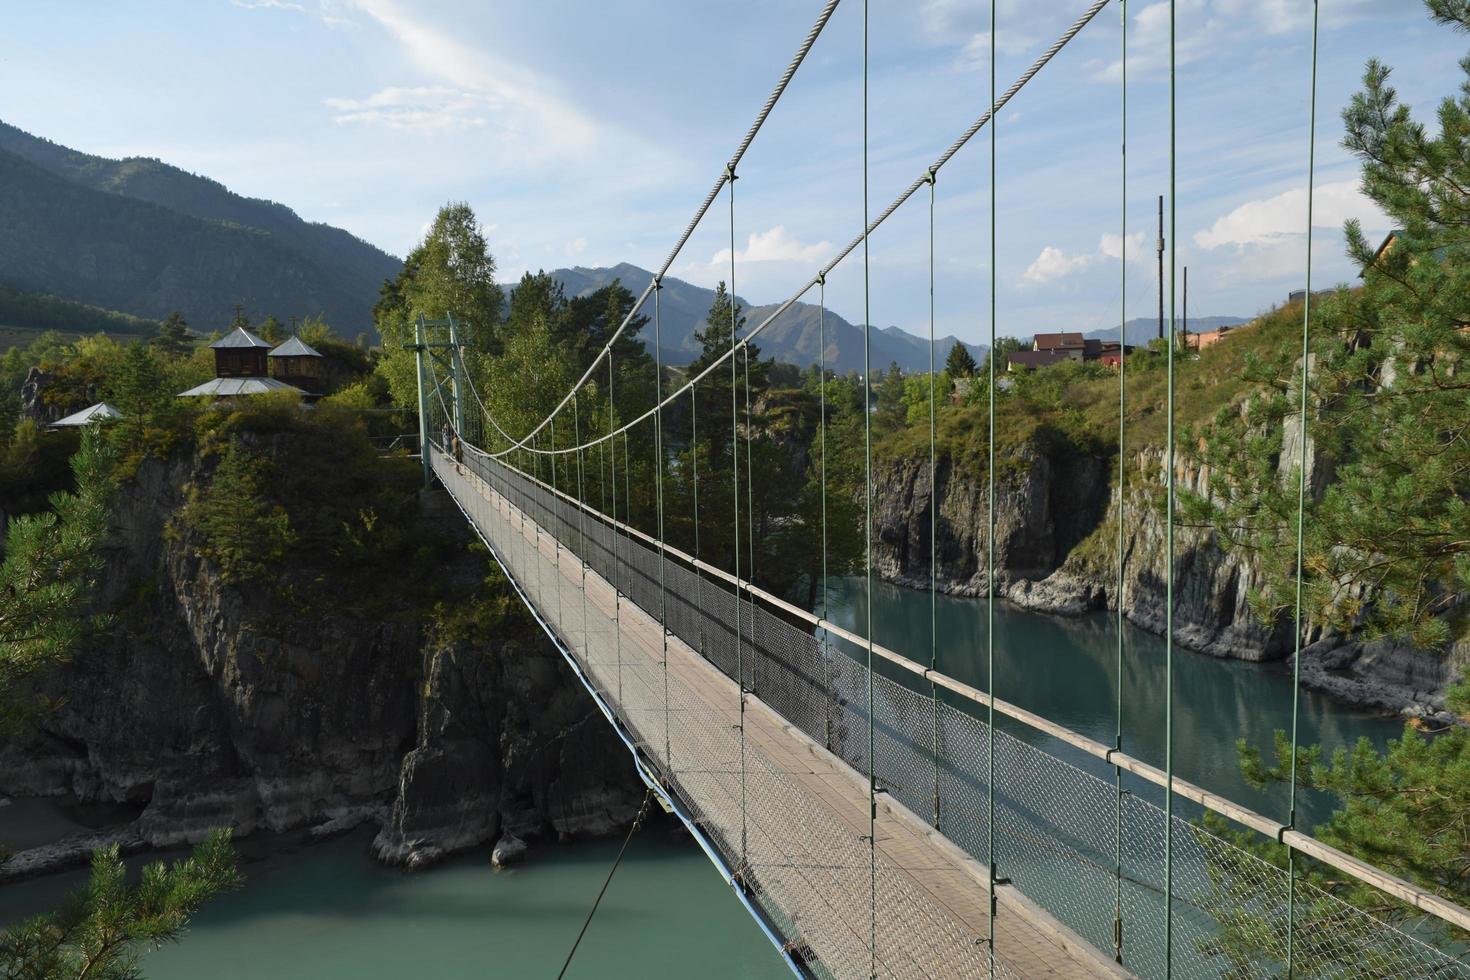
pixel 326 910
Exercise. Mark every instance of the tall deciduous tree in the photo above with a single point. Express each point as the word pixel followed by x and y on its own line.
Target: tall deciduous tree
pixel 450 273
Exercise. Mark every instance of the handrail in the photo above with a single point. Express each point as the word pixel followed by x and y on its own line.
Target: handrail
pixel 1405 891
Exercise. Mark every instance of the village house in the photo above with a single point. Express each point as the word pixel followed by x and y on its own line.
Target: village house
pixel 240 368
pixel 1053 348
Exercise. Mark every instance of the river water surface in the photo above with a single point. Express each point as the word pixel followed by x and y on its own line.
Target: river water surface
pixel 328 910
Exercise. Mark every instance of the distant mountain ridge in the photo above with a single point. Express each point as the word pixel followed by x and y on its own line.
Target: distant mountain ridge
pixel 794 338
pixel 1143 329
pixel 143 237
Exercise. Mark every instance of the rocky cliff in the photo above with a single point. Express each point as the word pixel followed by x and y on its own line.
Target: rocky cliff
pixel 1056 550
pixel 206 702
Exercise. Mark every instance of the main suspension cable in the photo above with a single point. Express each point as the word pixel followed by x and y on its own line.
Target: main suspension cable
pixel 709 199
pixel 872 226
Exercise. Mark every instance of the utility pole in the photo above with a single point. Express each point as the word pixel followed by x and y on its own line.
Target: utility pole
pixel 420 348
pixel 1161 266
pixel 1186 307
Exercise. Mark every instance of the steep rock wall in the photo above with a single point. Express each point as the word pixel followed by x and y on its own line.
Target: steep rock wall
pixel 209 703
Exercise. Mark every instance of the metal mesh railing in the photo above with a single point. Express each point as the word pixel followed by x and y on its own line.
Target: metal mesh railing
pixel 1061 835
pixel 811 873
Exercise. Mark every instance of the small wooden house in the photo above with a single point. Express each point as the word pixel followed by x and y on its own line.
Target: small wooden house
pixel 298 363
pixel 240 354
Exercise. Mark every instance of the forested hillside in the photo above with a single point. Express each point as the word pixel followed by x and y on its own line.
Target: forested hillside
pixel 145 238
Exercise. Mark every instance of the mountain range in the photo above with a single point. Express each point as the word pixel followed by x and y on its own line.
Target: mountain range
pixel 793 338
pixel 145 238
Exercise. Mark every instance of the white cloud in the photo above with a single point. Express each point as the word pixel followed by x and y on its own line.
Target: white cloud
pixel 1285 16
pixel 1022 25
pixel 576 246
pixel 774 245
pixel 267 5
pixel 1206 27
pixel 420 108
pixel 525 111
pixel 1053 264
pixel 1271 219
pixel 1114 247
pixel 324 10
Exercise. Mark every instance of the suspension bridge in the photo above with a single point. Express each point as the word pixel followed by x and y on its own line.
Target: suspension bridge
pixel 878 817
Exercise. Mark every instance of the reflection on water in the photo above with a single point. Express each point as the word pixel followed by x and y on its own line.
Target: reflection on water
pixel 1065 669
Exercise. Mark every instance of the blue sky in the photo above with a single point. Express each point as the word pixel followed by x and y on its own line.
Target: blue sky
pixel 586 133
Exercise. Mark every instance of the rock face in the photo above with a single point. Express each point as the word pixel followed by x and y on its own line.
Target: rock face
pixel 1056 549
pixel 209 703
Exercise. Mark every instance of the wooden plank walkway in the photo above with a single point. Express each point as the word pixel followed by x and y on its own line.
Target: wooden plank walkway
pixel 797 813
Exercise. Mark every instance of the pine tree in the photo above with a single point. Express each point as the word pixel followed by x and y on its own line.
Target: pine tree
pixel 173 337
pixel 103 929
pixel 1386 548
pixel 51 565
pixel 960 363
pixel 241 531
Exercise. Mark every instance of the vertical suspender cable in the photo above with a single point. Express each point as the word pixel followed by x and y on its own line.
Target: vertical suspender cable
pixel 1301 508
pixel 735 524
pixel 750 514
pixel 694 491
pixel 991 591
pixel 658 493
pixel 827 675
pixel 612 461
pixel 1169 520
pixel 868 536
pixel 627 563
pixel 933 519
pixel 1122 504
pixel 555 531
pixel 582 525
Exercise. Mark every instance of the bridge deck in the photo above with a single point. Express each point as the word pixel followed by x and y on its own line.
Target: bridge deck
pixel 794 815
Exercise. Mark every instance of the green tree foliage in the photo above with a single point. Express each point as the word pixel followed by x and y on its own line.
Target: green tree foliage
pixel 1386 520
pixel 271 330
pixel 451 272
pixel 173 337
pixel 239 529
pixel 1405 809
pixel 1386 540
pixel 314 330
pixel 923 392
pixel 51 564
pixel 889 410
pixel 101 931
pixel 960 363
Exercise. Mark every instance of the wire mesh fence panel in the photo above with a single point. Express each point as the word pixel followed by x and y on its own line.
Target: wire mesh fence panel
pixel 1063 835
